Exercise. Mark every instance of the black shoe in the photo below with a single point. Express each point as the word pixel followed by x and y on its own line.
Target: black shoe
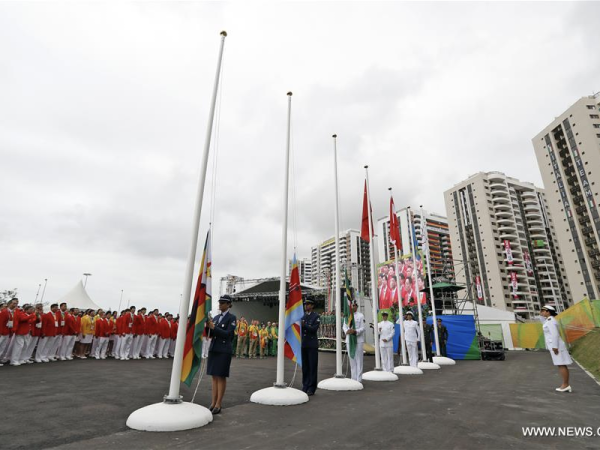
pixel 211 408
pixel 216 411
pixel 310 393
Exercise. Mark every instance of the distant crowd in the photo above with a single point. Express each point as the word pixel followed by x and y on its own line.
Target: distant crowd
pixel 29 335
pixel 255 339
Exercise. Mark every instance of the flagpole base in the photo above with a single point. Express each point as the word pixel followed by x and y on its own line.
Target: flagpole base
pixel 407 370
pixel 169 417
pixel 428 365
pixel 340 384
pixel 279 396
pixel 379 375
pixel 443 361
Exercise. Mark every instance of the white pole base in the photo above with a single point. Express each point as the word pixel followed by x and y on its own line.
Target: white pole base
pixel 427 365
pixel 379 375
pixel 407 370
pixel 443 361
pixel 276 396
pixel 340 384
pixel 169 417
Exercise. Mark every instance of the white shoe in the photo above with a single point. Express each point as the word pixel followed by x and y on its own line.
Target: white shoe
pixel 29 361
pixel 69 358
pixel 38 361
pixel 103 357
pixel 15 364
pixel 62 358
pixel 45 360
pixel 567 389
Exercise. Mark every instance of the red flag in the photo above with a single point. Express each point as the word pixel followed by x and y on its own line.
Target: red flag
pixel 394 226
pixel 364 231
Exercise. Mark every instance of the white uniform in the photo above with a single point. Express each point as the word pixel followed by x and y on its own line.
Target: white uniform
pixel 553 340
pixel 356 363
pixel 412 336
pixel 386 331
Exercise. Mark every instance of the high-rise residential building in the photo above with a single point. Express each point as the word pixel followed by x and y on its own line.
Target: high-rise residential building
pixel 438 237
pixel 568 154
pixel 354 258
pixel 304 269
pixel 505 246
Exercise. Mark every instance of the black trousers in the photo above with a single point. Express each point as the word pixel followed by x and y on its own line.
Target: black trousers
pixel 310 363
pixel 443 348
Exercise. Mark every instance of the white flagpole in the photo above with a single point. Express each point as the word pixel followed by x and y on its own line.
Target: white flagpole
pixel 280 394
pixel 417 293
pixel 402 337
pixel 338 382
pixel 282 284
pixel 377 374
pixel 374 291
pixel 425 243
pixel 152 418
pixel 338 291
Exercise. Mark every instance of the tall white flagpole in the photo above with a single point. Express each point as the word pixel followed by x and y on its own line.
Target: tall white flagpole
pixel 423 364
pixel 338 382
pixel 280 394
pixel 377 374
pixel 166 416
pixel 438 359
pixel 402 337
pixel 425 243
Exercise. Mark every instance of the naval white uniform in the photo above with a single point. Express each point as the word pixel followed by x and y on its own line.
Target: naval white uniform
pixel 553 340
pixel 386 331
pixel 356 363
pixel 411 336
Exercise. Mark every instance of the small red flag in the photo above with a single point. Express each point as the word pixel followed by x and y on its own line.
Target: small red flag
pixel 364 231
pixel 394 226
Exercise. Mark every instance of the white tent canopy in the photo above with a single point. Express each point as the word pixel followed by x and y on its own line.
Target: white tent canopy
pixel 78 298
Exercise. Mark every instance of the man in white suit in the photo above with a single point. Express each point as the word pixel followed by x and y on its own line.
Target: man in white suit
pixel 356 363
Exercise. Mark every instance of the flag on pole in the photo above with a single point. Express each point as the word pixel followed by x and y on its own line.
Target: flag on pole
pixel 349 316
pixel 192 352
pixel 293 317
pixel 364 231
pixel 394 227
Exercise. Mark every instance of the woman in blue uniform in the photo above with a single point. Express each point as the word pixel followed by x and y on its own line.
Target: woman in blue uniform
pixel 558 349
pixel 222 330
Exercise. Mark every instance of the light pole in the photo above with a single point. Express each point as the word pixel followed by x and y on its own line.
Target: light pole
pixel 44 291
pixel 86 275
pixel 38 292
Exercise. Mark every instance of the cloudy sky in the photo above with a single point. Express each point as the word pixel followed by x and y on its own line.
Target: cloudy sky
pixel 103 111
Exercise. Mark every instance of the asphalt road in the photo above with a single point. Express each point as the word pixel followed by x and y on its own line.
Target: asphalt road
pixel 473 405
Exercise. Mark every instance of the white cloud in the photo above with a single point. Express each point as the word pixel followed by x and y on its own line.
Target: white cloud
pixel 104 108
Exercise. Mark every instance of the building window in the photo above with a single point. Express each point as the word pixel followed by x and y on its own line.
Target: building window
pixel 594 116
pixel 590 107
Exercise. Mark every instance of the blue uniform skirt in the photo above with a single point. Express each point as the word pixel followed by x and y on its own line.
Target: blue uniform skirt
pixel 218 364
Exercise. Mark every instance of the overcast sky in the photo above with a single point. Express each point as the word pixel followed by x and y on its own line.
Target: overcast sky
pixel 103 111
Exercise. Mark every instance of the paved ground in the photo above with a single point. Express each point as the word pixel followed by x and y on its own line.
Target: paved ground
pixel 473 405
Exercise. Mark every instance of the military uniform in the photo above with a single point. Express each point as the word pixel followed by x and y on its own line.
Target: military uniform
pixel 356 363
pixel 386 331
pixel 427 355
pixel 443 337
pixel 310 351
pixel 221 345
pixel 411 336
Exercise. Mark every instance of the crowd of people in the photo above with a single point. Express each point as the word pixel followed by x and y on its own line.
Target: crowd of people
pixel 394 286
pixel 28 334
pixel 255 339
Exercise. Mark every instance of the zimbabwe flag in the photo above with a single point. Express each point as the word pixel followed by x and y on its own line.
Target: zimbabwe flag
pixel 192 352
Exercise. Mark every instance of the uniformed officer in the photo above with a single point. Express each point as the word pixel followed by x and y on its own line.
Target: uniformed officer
pixel 442 336
pixel 427 355
pixel 558 349
pixel 386 342
pixel 356 363
pixel 222 330
pixel 411 336
pixel 310 348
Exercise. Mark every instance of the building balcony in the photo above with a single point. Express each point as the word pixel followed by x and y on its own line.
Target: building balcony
pixel 590 241
pixel 580 209
pixel 594 252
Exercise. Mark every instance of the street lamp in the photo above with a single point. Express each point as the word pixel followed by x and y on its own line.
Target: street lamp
pixel 86 275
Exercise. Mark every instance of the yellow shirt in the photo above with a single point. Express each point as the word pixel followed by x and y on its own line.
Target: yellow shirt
pixel 86 325
pixel 253 329
pixel 264 334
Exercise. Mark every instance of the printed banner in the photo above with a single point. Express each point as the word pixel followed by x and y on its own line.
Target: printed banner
pixel 392 285
pixel 509 256
pixel 515 284
pixel 528 265
pixel 479 290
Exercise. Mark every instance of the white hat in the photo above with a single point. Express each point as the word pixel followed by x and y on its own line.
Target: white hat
pixel 549 308
pixel 409 312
